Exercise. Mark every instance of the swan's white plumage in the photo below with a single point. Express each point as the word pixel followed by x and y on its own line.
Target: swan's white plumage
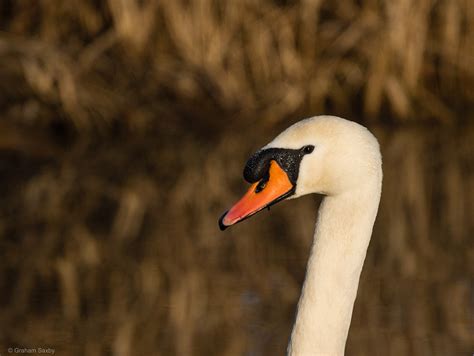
pixel 346 166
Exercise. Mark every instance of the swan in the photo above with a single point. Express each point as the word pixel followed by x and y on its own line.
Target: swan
pixel 340 159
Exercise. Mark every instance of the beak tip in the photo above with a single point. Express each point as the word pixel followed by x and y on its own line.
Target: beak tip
pixel 222 226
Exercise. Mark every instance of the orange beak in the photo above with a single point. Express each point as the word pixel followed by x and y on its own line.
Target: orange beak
pixel 259 196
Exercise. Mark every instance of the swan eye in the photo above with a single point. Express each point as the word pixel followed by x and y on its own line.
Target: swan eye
pixel 308 149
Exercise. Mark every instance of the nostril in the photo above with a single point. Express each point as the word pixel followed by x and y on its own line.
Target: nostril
pixel 260 186
pixel 263 183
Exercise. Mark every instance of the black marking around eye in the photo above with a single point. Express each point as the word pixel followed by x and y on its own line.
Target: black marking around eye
pixel 289 160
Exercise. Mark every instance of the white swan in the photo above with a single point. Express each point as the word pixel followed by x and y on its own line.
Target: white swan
pixel 340 159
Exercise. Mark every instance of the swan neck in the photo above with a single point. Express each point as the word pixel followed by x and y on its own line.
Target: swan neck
pixel 341 238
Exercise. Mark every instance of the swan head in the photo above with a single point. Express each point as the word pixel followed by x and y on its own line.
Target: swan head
pixel 323 154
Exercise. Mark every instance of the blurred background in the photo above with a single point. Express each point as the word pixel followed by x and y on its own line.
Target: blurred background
pixel 124 129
